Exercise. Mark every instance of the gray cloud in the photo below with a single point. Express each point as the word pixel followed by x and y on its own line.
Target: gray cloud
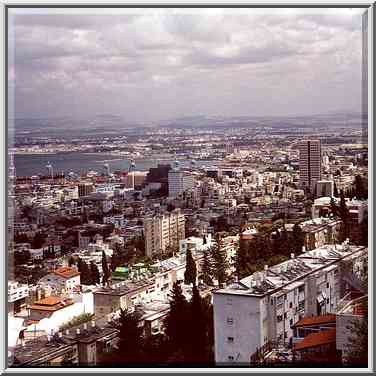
pixel 154 64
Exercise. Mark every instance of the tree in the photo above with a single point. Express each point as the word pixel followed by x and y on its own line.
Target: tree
pixel 84 270
pixel 190 273
pixel 38 240
pixel 71 261
pixel 206 269
pixel 335 190
pixel 242 259
pixel 343 212
pixel 220 263
pixel 115 260
pixel 199 332
pixel 297 239
pixel 95 275
pixel 177 322
pixel 358 341
pixel 360 188
pixel 363 236
pixel 131 340
pixel 333 207
pixel 106 274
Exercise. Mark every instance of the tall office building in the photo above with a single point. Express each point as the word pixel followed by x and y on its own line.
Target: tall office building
pixel 163 232
pixel 310 163
pixel 179 182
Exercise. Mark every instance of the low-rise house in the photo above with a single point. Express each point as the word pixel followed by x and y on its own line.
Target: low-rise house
pixel 64 278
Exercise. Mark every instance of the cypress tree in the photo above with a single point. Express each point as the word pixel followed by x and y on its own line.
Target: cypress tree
pixel 190 273
pixel 71 261
pixel 177 322
pixel 105 270
pixel 95 275
pixel 297 239
pixel 335 190
pixel 197 334
pixel 344 214
pixel 206 269
pixel 84 271
pixel 220 263
pixel 333 207
pixel 130 335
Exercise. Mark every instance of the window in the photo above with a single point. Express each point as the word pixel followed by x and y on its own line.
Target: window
pixel 285 334
pixel 279 318
pixel 230 339
pixel 229 301
pixel 285 297
pixel 290 322
pixel 327 285
pixel 290 305
pixel 230 320
pixel 327 300
pixel 285 315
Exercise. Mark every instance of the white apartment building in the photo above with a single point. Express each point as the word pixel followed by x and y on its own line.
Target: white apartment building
pixel 262 307
pixel 179 182
pixel 310 163
pixel 164 231
pixel 17 294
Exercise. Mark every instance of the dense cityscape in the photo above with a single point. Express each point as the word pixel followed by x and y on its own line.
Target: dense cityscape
pixel 144 231
pixel 257 255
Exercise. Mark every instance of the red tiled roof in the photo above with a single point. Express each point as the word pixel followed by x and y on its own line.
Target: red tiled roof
pixel 66 272
pixel 324 337
pixel 316 320
pixel 49 301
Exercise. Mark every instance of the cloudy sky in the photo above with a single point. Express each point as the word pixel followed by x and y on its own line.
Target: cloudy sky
pixel 154 64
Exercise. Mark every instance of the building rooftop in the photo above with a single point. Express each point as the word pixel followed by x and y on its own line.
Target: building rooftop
pixel 33 350
pixel 66 272
pixel 315 320
pixel 51 303
pixel 280 276
pixel 323 337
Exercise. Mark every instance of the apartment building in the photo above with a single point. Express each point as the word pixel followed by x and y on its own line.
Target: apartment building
pixel 263 307
pixel 17 294
pixel 164 231
pixel 179 182
pixel 310 163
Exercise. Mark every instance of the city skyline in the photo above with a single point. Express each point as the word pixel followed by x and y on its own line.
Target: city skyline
pixel 208 61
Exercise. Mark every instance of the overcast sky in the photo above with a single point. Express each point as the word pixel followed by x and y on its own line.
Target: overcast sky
pixel 155 64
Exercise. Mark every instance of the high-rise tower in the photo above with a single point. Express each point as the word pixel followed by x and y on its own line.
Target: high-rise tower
pixel 310 163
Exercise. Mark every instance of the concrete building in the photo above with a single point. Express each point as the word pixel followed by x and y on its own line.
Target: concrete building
pixel 17 294
pixel 310 163
pixel 263 307
pixel 85 189
pixel 164 231
pixel 324 188
pixel 179 182
pixel 64 278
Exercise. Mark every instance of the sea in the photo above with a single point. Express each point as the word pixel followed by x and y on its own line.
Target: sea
pixel 34 164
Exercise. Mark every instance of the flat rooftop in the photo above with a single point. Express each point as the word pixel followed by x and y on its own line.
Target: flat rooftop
pixel 287 273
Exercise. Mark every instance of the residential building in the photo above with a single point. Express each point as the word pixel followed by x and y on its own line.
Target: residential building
pixel 263 307
pixel 64 278
pixel 164 232
pixel 17 294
